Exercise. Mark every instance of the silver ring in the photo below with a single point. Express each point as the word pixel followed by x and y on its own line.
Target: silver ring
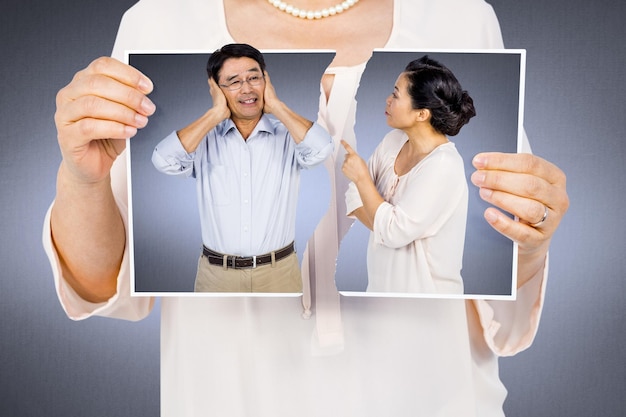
pixel 543 219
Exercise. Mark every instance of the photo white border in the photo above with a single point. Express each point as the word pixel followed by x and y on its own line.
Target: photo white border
pixel 520 140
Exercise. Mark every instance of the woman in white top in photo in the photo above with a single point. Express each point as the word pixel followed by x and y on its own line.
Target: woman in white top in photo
pixel 412 193
pixel 258 356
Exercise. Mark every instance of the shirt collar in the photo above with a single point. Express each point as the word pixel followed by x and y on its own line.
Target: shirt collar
pixel 264 125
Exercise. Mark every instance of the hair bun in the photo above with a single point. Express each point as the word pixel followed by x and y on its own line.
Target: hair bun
pixel 466 106
pixel 433 86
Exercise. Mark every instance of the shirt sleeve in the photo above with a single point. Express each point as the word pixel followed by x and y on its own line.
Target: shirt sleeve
pixel 423 209
pixel 353 200
pixel 510 327
pixel 170 157
pixel 121 305
pixel 316 146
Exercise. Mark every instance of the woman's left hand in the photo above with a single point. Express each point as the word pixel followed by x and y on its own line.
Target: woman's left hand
pixel 530 188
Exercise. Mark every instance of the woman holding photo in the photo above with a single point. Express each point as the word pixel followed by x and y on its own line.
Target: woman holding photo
pixel 257 356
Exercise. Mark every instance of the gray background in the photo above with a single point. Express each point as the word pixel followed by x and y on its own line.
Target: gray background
pixel 576 86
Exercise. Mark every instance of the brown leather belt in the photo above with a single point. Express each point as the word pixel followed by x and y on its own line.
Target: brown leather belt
pixel 245 262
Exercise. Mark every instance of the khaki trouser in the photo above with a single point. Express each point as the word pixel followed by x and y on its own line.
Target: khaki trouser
pixel 280 277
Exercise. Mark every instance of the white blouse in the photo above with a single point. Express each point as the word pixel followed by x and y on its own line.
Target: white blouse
pixel 418 236
pixel 358 355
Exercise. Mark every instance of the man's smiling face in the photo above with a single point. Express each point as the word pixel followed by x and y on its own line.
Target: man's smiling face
pixel 246 102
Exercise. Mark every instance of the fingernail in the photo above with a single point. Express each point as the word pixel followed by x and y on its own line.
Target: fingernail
pixel 130 131
pixel 140 120
pixel 145 85
pixel 479 161
pixel 485 193
pixel 491 217
pixel 147 106
pixel 478 178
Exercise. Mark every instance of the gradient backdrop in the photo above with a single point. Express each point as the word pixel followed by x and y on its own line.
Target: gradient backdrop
pixel 574 115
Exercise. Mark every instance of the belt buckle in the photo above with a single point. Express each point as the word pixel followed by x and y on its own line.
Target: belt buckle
pixel 233 262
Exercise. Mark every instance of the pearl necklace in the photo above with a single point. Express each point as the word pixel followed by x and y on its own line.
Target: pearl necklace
pixel 312 14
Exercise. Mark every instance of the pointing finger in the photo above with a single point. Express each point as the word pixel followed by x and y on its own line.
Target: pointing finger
pixel 347 147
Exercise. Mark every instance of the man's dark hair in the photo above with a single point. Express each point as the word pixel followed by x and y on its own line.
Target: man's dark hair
pixel 233 50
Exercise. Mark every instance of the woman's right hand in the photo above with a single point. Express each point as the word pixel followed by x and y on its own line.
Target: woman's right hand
pixel 354 167
pixel 103 105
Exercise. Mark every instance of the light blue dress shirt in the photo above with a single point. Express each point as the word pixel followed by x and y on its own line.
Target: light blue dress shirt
pixel 247 189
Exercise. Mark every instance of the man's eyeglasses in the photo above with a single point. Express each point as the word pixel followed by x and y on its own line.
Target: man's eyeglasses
pixel 253 80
